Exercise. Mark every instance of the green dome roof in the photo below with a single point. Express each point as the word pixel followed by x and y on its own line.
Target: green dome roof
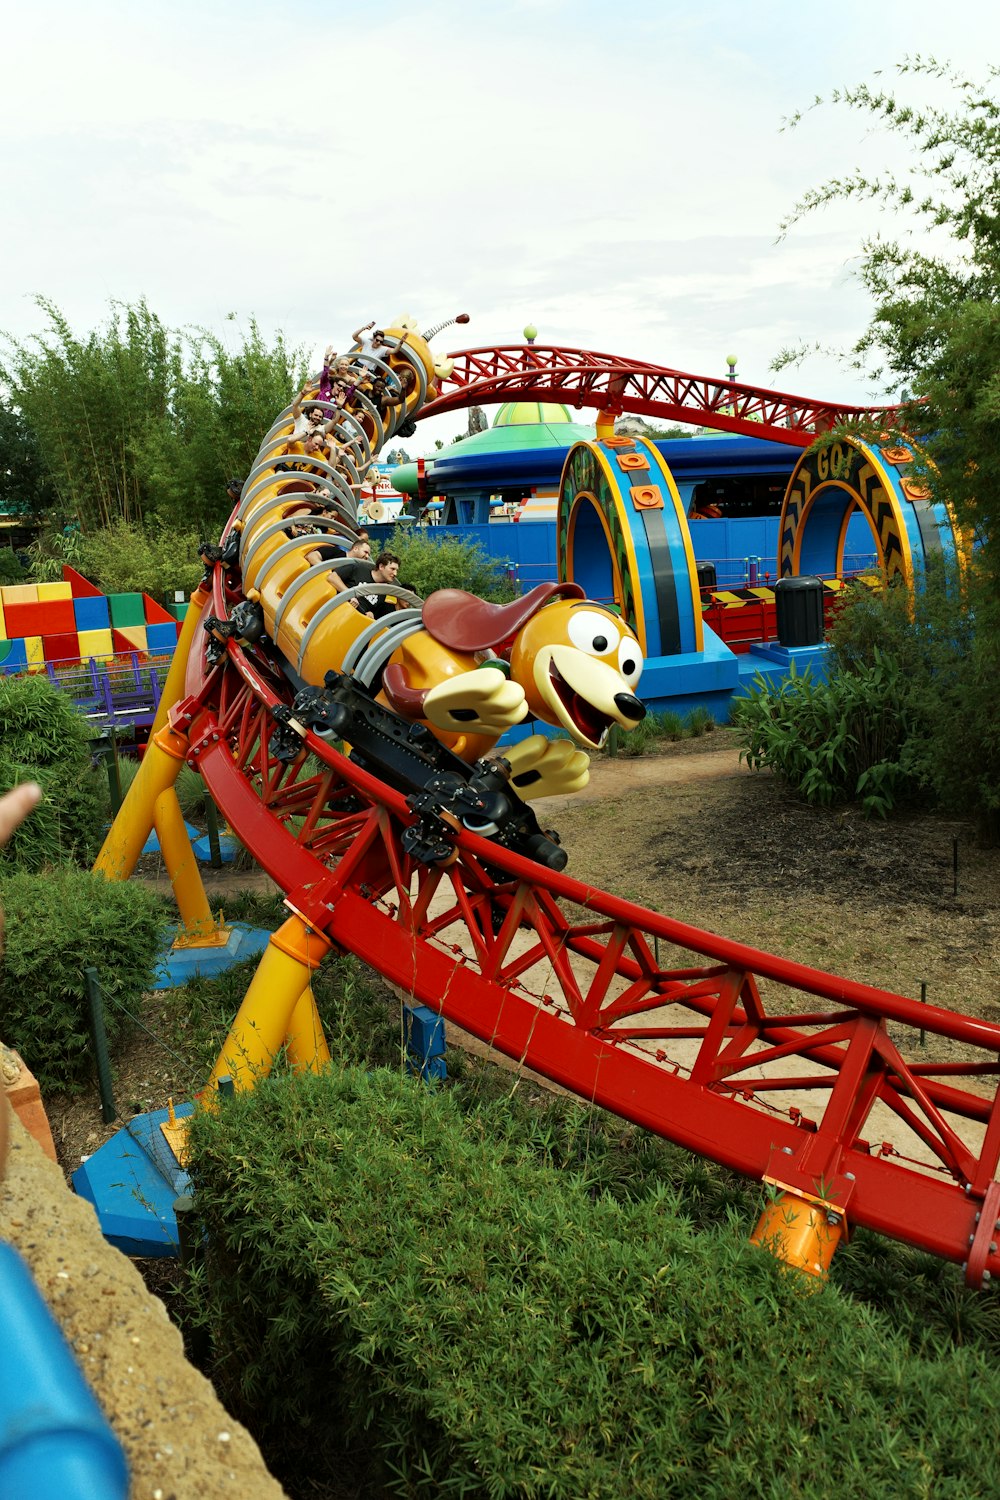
pixel 527 413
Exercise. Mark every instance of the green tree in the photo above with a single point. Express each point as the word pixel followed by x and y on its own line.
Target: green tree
pixel 935 331
pixel 136 422
pixel 934 280
pixel 24 488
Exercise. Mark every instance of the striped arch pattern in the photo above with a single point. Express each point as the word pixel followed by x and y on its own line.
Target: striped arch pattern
pixel 623 535
pixel 830 483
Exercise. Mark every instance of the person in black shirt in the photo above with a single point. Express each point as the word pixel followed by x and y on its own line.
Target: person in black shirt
pixel 359 551
pixel 352 573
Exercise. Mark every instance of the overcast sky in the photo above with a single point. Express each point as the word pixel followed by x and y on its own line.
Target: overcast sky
pixel 615 174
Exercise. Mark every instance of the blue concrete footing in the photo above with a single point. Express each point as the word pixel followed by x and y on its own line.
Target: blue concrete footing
pixel 178 965
pixel 229 847
pixel 152 844
pixel 132 1181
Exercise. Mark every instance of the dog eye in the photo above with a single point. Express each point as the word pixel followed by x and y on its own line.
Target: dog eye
pixel 629 660
pixel 592 632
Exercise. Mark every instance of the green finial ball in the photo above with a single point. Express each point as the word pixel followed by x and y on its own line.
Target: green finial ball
pixel 731 361
pixel 530 332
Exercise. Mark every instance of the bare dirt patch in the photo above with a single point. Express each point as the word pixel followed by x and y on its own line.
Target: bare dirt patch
pixel 699 837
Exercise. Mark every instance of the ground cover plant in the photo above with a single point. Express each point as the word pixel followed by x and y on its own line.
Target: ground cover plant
pixel 656 728
pixel 382 1266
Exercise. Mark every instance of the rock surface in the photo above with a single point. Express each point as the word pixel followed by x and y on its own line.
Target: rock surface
pixel 180 1442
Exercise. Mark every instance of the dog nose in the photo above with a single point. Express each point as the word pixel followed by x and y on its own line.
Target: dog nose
pixel 630 707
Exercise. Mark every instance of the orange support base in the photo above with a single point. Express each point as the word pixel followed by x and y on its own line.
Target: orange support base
pixel 800 1231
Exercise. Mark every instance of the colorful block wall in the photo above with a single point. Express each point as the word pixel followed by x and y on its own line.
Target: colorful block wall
pixel 46 623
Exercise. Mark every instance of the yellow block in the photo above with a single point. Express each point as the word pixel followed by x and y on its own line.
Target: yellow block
pixel 3 628
pixel 19 593
pixel 134 634
pixel 54 591
pixel 95 643
pixel 34 650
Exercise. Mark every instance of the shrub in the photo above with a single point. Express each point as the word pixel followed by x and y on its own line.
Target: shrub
pixel 943 642
pixel 834 741
pixel 44 737
pixel 360 1018
pixel 129 558
pixel 426 565
pixel 11 570
pixel 380 1268
pixel 59 924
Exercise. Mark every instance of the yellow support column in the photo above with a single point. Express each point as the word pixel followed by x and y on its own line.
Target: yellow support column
pixel 271 1005
pixel 200 928
pixel 801 1231
pixel 173 688
pixel 165 754
pixel 306 1046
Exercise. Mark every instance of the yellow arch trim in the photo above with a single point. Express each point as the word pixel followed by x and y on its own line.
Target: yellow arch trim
pixel 851 486
pixel 682 521
pixel 613 484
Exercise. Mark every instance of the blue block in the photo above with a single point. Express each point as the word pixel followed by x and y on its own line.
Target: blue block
pixel 92 614
pixel 424 1031
pixel 15 658
pixel 132 1182
pixel 161 639
pixel 152 844
pixel 229 847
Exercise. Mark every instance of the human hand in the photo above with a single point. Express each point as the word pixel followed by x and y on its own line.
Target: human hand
pixel 16 806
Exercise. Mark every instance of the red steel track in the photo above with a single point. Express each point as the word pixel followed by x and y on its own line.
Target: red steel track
pixel 583 377
pixel 702 1040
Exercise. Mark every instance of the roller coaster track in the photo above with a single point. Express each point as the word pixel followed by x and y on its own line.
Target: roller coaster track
pixel 823 1087
pixel 583 377
pixel 702 1040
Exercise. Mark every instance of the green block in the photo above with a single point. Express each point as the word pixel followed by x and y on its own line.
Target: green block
pixel 127 609
pixel 178 610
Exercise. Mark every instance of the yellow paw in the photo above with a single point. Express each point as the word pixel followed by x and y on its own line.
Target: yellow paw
pixel 541 767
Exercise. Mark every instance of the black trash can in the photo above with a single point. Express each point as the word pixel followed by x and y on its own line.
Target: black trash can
pixel 798 606
pixel 706 575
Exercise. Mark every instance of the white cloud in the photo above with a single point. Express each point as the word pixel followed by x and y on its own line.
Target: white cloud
pixel 616 178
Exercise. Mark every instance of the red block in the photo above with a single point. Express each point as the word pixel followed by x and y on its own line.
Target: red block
pixel 122 646
pixel 61 647
pixel 82 587
pixel 155 613
pixel 52 617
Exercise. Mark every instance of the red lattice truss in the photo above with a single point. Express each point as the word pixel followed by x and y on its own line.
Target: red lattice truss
pixel 583 377
pixel 707 1042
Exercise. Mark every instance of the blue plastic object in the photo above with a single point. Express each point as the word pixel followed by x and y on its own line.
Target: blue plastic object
pixel 54 1441
pixel 426 1042
pixel 133 1181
